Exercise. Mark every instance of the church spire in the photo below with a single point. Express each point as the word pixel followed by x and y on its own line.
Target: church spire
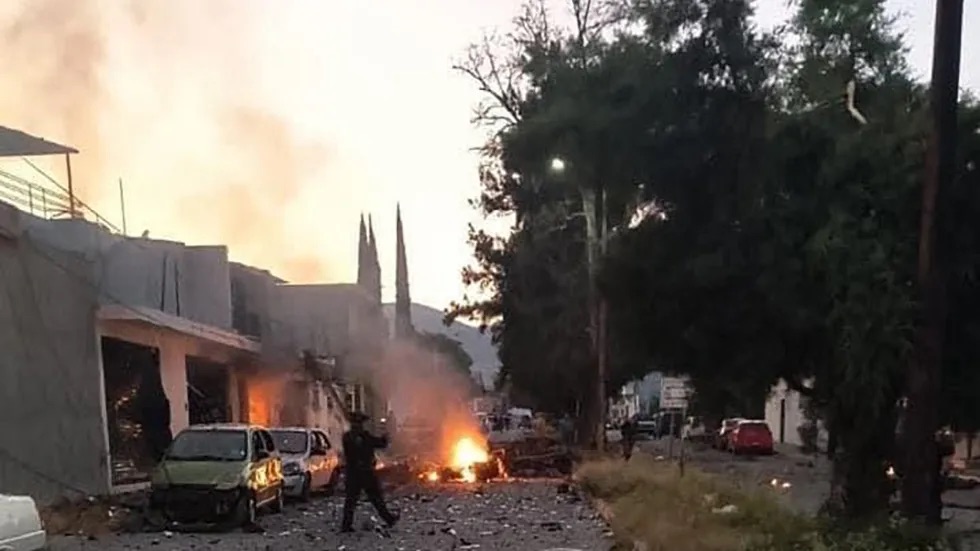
pixel 403 300
pixel 374 282
pixel 363 256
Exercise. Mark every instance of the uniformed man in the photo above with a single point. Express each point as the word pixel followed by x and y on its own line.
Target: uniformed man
pixel 359 472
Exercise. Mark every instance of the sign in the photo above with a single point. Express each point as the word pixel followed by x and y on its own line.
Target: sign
pixel 674 393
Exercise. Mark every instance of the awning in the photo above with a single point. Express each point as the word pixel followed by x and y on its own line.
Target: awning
pixel 157 318
pixel 14 143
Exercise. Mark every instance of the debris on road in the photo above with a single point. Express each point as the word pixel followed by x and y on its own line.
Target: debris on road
pixel 514 514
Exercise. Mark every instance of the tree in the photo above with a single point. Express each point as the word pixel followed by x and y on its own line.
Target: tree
pixel 447 347
pixel 777 240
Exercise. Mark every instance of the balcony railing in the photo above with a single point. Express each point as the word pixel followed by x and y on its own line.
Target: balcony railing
pixel 49 202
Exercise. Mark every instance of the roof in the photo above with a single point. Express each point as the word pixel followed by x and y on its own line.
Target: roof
pixel 118 312
pixel 14 143
pixel 222 426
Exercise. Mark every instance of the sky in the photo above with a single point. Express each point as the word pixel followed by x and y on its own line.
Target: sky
pixel 271 125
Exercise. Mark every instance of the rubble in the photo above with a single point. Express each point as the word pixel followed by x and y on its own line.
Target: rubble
pixel 525 515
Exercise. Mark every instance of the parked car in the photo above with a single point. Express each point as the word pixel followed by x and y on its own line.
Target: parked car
pixel 309 461
pixel 750 436
pixel 218 472
pixel 20 524
pixel 724 432
pixel 647 428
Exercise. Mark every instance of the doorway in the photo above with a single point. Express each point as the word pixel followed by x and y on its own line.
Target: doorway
pixel 137 409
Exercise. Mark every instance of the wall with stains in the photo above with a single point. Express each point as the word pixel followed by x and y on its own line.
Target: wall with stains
pixel 52 438
pixel 191 282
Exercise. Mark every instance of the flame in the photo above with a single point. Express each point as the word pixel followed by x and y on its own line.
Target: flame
pixel 466 455
pixel 432 476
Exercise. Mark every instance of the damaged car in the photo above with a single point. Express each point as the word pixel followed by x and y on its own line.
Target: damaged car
pixel 217 473
pixel 310 463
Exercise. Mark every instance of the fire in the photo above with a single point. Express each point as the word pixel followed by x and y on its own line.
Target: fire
pixel 466 455
pixel 432 476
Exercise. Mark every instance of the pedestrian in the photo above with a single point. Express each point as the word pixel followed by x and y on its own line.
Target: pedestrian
pixel 567 429
pixel 628 432
pixel 359 472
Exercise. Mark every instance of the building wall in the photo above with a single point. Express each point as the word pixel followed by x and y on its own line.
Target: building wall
pixel 51 403
pixel 252 291
pixel 788 425
pixel 191 282
pixel 174 349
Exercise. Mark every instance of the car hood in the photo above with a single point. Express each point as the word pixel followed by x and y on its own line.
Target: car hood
pixel 18 517
pixel 199 472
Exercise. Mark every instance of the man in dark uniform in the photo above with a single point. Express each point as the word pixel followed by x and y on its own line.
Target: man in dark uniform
pixel 359 474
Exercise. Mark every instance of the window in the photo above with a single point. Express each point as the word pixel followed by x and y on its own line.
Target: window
pixel 322 440
pixel 354 402
pixel 257 444
pixel 267 442
pixel 209 445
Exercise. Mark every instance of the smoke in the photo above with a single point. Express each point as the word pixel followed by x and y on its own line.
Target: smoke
pixel 427 390
pixel 169 94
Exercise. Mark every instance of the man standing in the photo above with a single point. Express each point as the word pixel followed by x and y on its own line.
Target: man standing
pixel 359 474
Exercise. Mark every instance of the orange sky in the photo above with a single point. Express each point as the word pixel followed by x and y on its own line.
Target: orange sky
pixel 270 124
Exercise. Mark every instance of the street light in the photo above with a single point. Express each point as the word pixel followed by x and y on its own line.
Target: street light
pixel 557 165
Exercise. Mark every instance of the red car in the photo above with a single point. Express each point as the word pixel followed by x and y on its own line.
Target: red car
pixel 751 437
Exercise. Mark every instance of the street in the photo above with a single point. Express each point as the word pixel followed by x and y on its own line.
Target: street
pixel 527 515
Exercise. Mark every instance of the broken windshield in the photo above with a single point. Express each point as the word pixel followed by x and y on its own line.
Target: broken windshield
pixel 290 441
pixel 209 445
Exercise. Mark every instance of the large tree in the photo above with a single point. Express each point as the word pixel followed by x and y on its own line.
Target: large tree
pixel 779 178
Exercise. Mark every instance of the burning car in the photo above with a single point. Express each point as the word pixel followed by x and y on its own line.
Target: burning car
pixel 470 460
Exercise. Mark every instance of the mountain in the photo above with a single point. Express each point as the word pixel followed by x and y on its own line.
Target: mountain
pixel 478 345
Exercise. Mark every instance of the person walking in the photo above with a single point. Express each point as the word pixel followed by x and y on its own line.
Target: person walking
pixel 359 472
pixel 628 432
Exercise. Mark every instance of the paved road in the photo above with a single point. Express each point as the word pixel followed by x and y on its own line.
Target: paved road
pixel 524 515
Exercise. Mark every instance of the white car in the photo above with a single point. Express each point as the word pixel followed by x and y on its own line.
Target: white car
pixel 20 524
pixel 310 462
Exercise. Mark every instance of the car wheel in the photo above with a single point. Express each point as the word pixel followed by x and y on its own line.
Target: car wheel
pixel 279 503
pixel 304 493
pixel 246 513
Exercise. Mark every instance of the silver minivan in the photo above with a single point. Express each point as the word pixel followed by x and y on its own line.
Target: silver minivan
pixel 310 463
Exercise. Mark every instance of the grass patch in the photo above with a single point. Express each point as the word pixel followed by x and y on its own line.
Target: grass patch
pixel 651 503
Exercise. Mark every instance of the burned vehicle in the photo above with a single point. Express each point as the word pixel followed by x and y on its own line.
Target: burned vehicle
pixel 310 463
pixel 218 473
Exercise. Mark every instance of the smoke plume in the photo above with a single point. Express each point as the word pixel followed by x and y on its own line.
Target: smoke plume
pixel 427 390
pixel 168 94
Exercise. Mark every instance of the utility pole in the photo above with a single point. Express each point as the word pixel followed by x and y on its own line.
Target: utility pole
pixel 921 490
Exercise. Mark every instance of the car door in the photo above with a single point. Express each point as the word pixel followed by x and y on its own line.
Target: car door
pixel 258 466
pixel 274 464
pixel 316 460
pixel 264 465
pixel 331 459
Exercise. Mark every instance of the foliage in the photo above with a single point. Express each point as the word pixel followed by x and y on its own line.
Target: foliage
pixel 779 178
pixel 447 347
pixel 650 502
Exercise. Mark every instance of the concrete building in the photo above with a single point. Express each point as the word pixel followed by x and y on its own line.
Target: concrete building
pixel 112 341
pixel 626 405
pixel 785 414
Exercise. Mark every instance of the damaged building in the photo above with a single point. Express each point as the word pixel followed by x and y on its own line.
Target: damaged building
pixel 114 343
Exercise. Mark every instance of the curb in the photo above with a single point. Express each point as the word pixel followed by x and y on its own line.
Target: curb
pixel 605 511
